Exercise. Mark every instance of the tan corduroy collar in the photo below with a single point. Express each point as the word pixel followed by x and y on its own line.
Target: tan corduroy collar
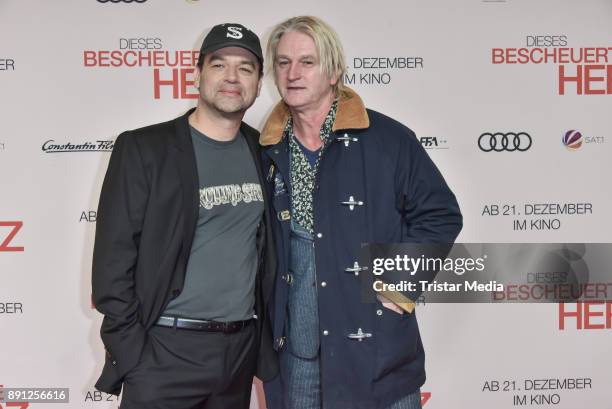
pixel 351 114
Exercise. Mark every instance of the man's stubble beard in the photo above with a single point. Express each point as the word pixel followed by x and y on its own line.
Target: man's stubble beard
pixel 227 107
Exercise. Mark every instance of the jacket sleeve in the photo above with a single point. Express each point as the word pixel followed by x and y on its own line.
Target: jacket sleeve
pixel 431 212
pixel 120 216
pixel 429 209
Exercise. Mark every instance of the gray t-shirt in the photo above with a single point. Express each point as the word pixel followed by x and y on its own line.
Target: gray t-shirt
pixel 220 276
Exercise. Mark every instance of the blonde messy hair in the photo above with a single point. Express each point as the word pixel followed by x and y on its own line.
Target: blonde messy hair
pixel 331 54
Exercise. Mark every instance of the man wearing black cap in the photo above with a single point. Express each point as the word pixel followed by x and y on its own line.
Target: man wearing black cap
pixel 183 261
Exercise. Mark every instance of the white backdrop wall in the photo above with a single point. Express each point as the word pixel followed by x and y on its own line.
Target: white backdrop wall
pixel 457 73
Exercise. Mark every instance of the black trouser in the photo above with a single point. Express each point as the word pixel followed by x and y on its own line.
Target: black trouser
pixel 184 369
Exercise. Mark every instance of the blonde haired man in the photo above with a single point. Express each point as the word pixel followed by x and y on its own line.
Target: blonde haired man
pixel 341 175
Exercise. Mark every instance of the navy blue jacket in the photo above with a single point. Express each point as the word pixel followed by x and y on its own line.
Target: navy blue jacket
pixel 398 195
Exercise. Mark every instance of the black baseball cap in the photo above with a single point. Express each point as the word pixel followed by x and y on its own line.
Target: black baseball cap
pixel 232 35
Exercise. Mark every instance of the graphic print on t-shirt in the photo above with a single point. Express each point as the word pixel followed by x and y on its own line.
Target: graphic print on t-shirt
pixel 230 194
pixel 220 276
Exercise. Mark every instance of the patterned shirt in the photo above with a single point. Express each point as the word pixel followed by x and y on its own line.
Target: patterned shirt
pixel 303 174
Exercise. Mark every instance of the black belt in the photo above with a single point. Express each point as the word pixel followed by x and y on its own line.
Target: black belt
pixel 202 325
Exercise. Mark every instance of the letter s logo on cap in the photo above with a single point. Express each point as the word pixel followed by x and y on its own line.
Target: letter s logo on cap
pixel 234 32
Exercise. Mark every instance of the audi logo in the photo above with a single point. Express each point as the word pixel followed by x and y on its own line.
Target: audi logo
pixel 121 1
pixel 508 142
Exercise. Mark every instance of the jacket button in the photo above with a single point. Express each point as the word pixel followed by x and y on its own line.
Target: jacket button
pixel 319 235
pixel 325 332
pixel 323 284
pixel 288 278
pixel 114 363
pixel 379 312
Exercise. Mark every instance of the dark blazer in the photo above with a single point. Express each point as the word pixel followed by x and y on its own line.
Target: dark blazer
pixel 145 226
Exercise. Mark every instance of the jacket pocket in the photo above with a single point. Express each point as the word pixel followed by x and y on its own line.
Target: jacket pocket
pixel 396 340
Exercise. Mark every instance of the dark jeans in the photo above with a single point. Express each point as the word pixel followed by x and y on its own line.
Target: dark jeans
pixel 183 369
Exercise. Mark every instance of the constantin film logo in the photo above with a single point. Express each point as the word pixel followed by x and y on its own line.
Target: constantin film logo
pixel 504 141
pixel 172 70
pixel 574 140
pixel 580 70
pixel 51 146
